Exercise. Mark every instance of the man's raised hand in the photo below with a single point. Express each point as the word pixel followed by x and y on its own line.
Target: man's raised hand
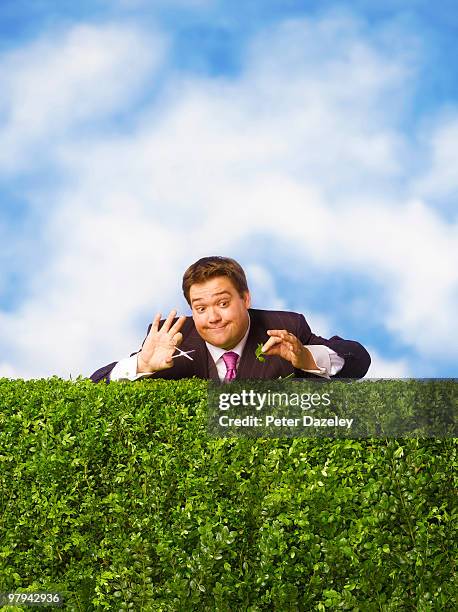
pixel 160 344
pixel 287 345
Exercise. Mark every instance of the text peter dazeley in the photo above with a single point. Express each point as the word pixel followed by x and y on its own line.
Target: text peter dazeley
pixel 305 420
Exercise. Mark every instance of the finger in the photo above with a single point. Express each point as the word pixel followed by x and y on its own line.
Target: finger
pixel 168 322
pixel 168 363
pixel 279 333
pixel 282 335
pixel 177 325
pixel 177 339
pixel 270 343
pixel 156 320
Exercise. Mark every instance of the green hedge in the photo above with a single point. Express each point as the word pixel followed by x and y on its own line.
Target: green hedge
pixel 115 496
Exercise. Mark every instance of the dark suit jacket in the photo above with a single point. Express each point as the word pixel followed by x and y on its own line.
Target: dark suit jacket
pixel 357 359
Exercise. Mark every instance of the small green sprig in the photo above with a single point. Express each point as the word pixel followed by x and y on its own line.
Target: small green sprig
pixel 259 355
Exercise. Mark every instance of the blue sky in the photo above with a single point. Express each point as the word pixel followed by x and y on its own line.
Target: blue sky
pixel 314 142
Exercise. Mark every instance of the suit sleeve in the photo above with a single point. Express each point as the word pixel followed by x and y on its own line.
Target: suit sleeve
pixel 103 374
pixel 357 359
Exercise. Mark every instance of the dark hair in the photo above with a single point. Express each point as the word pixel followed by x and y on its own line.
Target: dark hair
pixel 209 267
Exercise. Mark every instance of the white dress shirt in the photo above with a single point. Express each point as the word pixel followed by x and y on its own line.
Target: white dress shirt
pixel 328 361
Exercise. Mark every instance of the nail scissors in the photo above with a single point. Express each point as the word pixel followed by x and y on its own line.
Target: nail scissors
pixel 183 353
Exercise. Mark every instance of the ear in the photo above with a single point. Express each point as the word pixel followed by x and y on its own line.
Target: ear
pixel 247 299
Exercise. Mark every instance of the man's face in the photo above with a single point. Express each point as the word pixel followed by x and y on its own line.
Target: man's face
pixel 220 314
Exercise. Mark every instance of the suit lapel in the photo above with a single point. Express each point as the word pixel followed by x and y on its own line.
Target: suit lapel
pixel 250 367
pixel 191 340
pixel 212 371
pixel 205 366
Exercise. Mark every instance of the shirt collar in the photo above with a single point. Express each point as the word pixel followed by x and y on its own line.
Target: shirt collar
pixel 216 352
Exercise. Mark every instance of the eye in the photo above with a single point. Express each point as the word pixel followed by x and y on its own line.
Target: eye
pixel 200 309
pixel 224 303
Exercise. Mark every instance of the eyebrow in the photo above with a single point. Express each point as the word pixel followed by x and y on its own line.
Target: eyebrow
pixel 214 295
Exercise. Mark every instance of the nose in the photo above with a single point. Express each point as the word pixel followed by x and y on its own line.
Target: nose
pixel 213 315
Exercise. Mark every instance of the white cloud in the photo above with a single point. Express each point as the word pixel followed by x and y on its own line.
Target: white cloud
pixel 299 148
pixel 58 82
pixel 386 368
pixel 410 251
pixel 8 371
pixel 440 179
pixel 262 288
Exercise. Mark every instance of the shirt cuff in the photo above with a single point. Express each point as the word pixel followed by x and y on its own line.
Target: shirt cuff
pixel 328 361
pixel 126 369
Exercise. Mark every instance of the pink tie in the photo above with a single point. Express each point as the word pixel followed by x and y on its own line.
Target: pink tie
pixel 230 359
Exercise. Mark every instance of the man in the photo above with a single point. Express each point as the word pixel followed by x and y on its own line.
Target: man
pixel 224 332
